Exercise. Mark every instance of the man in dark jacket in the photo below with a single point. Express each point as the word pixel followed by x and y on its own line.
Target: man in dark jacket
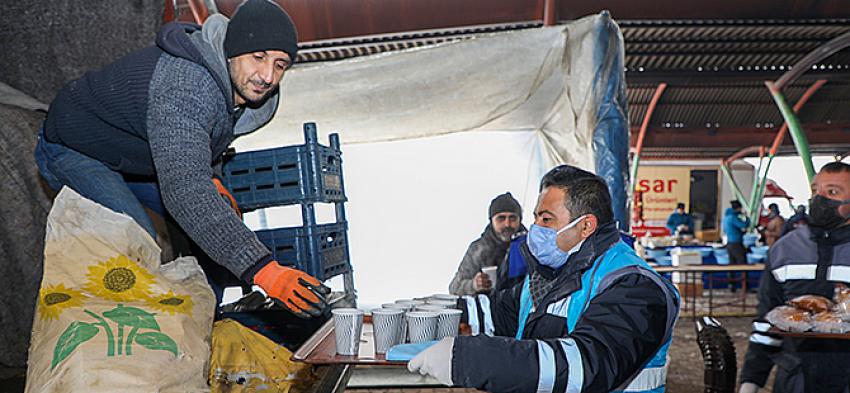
pixel 591 316
pixel 490 249
pixel 800 218
pixel 148 130
pixel 812 259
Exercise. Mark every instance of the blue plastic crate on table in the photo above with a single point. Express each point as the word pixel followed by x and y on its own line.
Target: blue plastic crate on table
pixel 305 175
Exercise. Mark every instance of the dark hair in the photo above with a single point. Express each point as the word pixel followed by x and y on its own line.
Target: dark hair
pixel 586 192
pixel 835 167
pixel 680 205
pixel 735 204
pixel 773 207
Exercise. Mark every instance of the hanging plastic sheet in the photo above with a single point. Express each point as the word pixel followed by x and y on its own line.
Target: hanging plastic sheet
pixel 564 82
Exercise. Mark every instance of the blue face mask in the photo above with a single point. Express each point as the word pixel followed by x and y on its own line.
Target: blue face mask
pixel 543 244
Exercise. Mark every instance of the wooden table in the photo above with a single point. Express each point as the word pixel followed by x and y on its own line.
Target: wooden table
pixel 693 273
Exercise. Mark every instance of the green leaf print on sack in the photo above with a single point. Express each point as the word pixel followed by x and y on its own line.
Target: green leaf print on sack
pixel 135 318
pixel 76 334
pixel 132 316
pixel 157 341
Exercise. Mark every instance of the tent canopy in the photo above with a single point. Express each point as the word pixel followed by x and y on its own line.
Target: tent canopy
pixel 565 83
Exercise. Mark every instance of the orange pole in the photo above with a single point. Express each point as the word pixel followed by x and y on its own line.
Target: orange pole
pixel 648 115
pixel 643 127
pixel 550 11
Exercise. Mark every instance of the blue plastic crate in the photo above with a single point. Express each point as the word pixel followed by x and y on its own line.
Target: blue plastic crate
pixel 755 258
pixel 308 173
pixel 292 247
pixel 760 250
pixel 656 253
pixel 750 239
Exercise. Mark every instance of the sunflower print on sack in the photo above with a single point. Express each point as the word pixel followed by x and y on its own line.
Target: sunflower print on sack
pixel 171 303
pixel 54 299
pixel 119 279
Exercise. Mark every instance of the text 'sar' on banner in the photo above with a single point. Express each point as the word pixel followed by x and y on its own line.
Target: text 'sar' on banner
pixel 658 190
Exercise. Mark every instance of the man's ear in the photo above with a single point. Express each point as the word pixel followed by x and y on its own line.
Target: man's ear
pixel 589 225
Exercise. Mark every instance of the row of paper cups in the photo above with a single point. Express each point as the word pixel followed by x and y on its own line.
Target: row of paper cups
pixel 414 321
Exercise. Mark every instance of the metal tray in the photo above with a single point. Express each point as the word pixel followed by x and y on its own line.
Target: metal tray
pixel 320 349
pixel 831 336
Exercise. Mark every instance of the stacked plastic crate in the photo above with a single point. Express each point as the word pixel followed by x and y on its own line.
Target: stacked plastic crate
pixel 305 175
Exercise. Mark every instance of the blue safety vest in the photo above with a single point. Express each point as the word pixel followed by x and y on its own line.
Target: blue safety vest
pixel 652 377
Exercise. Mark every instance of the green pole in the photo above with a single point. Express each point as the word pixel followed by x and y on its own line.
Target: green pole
pixel 797 133
pixel 761 189
pixel 734 185
pixel 756 180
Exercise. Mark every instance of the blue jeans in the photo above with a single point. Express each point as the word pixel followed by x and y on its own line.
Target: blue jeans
pixel 62 166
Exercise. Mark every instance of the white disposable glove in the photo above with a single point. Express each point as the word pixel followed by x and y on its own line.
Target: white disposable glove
pixel 435 361
pixel 748 387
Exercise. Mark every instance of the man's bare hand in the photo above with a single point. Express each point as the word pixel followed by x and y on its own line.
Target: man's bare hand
pixel 481 282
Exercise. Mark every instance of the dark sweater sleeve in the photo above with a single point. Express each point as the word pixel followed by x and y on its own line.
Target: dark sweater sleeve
pixel 184 104
pixel 618 333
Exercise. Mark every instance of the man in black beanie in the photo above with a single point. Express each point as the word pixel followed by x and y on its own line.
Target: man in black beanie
pixel 490 249
pixel 148 130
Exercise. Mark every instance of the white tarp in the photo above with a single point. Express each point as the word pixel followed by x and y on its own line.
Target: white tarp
pixel 535 98
pixel 545 80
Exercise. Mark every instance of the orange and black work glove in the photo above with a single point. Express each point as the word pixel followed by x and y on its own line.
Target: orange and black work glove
pixel 222 190
pixel 295 290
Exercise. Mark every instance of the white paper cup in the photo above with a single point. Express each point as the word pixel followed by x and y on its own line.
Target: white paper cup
pixel 411 304
pixel 448 323
pixel 444 296
pixel 421 326
pixel 404 308
pixel 388 328
pixel 430 307
pixel 444 303
pixel 491 272
pixel 348 324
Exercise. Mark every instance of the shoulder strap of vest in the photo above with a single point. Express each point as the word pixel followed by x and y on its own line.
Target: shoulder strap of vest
pixel 524 308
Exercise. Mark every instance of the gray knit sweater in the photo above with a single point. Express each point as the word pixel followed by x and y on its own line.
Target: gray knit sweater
pixel 186 106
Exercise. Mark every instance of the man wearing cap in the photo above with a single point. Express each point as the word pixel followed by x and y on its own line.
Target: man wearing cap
pixel 680 222
pixel 489 249
pixel 149 130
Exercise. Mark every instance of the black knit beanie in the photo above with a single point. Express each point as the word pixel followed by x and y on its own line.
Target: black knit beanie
pixel 260 25
pixel 505 203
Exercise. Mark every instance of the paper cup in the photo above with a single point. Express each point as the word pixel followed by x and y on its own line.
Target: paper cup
pixel 388 328
pixel 430 307
pixel 444 296
pixel 404 308
pixel 448 323
pixel 348 324
pixel 491 272
pixel 421 326
pixel 411 304
pixel 443 303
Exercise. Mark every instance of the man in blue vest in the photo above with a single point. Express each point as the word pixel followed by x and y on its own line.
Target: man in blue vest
pixel 591 316
pixel 148 130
